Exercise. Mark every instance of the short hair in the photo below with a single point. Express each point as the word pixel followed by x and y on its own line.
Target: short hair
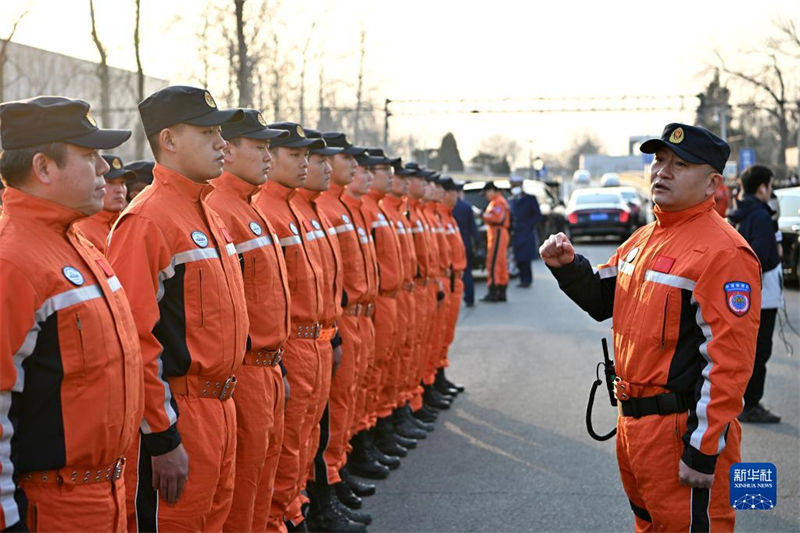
pixel 152 140
pixel 753 177
pixel 16 164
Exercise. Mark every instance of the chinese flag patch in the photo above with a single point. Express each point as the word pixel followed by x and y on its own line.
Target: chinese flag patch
pixel 737 294
pixel 663 264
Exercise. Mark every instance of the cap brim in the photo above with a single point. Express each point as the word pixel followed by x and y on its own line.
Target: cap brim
pixel 119 173
pixel 328 150
pixel 311 144
pixel 101 139
pixel 371 161
pixel 216 117
pixel 263 134
pixel 651 146
pixel 354 150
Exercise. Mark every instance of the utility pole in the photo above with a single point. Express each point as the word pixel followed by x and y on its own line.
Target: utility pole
pixel 386 115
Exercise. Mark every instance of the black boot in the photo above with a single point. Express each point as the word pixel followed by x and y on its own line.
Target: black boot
pixel 459 388
pixel 390 461
pixel 326 514
pixel 360 488
pixel 426 414
pixel 409 415
pixel 406 428
pixel 491 296
pixel 501 293
pixel 356 516
pixel 434 399
pixel 385 438
pixel 301 527
pixel 346 495
pixel 442 385
pixel 363 463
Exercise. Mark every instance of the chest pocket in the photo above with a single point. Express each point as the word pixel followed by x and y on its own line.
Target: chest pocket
pixel 202 304
pixel 81 333
pixel 662 313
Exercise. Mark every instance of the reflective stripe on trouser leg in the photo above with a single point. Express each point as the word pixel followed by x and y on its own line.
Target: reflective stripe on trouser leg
pixel 342 399
pixel 386 334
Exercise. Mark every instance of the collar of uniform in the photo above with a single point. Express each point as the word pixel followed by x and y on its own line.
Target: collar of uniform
pixel 376 195
pixel 672 218
pixel 336 189
pixel 107 217
pixel 392 200
pixel 166 177
pixel 308 194
pixel 444 209
pixel 281 191
pixel 413 202
pixel 229 182
pixel 21 205
pixel 351 201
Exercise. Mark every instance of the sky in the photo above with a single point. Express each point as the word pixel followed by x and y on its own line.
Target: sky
pixel 453 50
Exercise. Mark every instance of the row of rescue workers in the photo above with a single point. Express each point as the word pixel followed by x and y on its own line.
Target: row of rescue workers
pixel 221 354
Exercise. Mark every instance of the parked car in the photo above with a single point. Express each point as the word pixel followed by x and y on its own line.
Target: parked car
pixel 789 226
pixel 581 178
pixel 554 218
pixel 599 212
pixel 637 203
pixel 609 179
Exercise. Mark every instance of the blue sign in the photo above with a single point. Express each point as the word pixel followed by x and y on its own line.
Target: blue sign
pixel 753 486
pixel 747 158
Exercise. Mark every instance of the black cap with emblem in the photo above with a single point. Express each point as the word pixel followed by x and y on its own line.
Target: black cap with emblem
pixel 252 126
pixel 339 140
pixel 366 159
pixel 180 104
pixel 327 150
pixel 378 152
pixel 692 144
pixel 116 170
pixel 296 139
pixel 47 119
pixel 142 170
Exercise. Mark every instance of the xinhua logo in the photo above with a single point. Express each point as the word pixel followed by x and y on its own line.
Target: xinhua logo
pixel 753 486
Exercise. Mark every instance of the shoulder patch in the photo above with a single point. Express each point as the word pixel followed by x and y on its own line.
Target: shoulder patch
pixel 737 294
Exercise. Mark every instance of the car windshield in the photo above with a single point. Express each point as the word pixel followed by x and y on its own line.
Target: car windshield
pixel 629 196
pixel 597 199
pixel 790 205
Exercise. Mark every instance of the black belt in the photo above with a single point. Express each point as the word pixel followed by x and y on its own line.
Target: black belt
pixel 661 404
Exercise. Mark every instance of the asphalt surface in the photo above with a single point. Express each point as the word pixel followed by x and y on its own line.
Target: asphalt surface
pixel 513 454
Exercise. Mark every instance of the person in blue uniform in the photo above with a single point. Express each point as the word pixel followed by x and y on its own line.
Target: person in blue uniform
pixel 525 216
pixel 465 219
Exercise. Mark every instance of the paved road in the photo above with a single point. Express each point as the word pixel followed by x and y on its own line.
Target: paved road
pixel 512 454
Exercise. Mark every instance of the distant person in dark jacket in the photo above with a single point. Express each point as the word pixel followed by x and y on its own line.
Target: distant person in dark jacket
pixel 469 234
pixel 525 216
pixel 753 219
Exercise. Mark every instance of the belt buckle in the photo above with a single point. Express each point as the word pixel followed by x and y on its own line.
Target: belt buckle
pixel 317 330
pixel 620 389
pixel 119 467
pixel 359 307
pixel 227 388
pixel 276 357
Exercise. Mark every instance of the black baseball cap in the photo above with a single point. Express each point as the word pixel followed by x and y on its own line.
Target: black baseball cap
pixel 378 152
pixel 142 170
pixel 448 184
pixel 490 186
pixel 430 175
pixel 116 170
pixel 327 150
pixel 339 140
pixel 413 170
pixel 180 104
pixel 46 119
pixel 297 137
pixel 252 126
pixel 366 159
pixel 692 144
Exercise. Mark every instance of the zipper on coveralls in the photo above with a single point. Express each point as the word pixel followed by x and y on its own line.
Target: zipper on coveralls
pixel 664 324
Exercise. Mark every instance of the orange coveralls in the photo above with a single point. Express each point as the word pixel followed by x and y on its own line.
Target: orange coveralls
pixel 97 227
pixel 70 374
pixel 366 386
pixel 443 262
pixel 301 355
pixel 390 281
pixel 394 207
pixel 498 220
pixel 684 293
pixel 424 293
pixel 455 289
pixel 327 247
pixel 259 396
pixel 178 263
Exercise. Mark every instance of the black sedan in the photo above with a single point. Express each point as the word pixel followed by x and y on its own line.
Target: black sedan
pixel 599 212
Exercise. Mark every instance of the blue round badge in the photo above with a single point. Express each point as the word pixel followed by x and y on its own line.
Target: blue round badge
pixel 73 275
pixel 255 228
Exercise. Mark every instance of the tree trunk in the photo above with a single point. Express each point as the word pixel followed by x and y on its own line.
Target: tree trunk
pixel 139 137
pixel 102 73
pixel 244 83
pixel 356 118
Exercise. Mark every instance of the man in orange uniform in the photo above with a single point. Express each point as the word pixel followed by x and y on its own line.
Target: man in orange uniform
pixel 387 327
pixel 684 293
pixel 178 262
pixel 498 220
pixel 455 289
pixel 301 354
pixel 143 176
pixel 70 365
pixel 260 387
pixel 394 205
pixel 97 227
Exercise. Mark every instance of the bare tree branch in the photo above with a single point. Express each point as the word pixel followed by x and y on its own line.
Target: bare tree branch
pixel 3 57
pixel 102 73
